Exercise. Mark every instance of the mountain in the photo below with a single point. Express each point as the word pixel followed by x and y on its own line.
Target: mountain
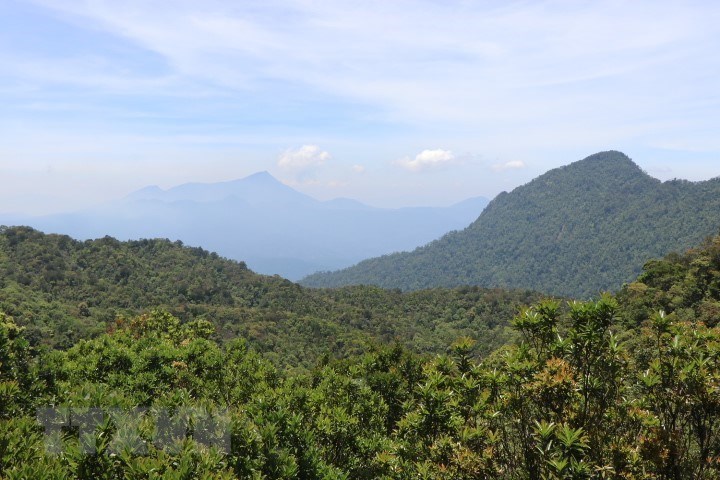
pixel 574 231
pixel 257 219
pixel 257 189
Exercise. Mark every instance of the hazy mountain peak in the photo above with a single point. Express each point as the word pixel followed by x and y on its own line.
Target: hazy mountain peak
pixel 151 191
pixel 263 176
pixel 262 179
pixel 259 179
pixel 265 222
pixel 258 187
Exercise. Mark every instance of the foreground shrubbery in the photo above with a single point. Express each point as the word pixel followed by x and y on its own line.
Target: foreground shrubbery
pixel 571 401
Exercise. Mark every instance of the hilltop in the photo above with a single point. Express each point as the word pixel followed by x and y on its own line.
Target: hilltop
pixel 574 231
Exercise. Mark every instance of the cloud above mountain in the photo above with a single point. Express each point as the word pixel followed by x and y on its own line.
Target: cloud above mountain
pixel 427 159
pixel 161 92
pixel 304 157
pixel 511 165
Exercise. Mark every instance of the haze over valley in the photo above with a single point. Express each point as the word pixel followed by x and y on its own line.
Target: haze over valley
pixel 259 220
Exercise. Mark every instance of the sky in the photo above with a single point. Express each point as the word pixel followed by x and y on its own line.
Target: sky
pixel 393 103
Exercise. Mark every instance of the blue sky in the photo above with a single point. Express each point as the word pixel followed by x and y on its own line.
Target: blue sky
pixel 393 103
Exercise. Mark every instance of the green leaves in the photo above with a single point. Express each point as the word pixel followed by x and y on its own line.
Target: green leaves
pixel 578 397
pixel 572 441
pixel 579 408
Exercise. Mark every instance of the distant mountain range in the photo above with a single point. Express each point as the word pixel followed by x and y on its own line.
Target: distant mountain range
pixel 574 231
pixel 272 227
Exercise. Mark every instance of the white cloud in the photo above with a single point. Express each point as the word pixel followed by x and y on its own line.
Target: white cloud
pixel 427 159
pixel 419 61
pixel 511 165
pixel 304 157
pixel 358 169
pixel 183 75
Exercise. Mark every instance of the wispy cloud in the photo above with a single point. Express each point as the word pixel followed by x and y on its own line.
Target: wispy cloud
pixel 511 165
pixel 438 62
pixel 427 159
pixel 547 81
pixel 304 157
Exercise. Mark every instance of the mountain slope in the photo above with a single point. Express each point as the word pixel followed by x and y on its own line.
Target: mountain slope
pixel 62 290
pixel 264 222
pixel 573 231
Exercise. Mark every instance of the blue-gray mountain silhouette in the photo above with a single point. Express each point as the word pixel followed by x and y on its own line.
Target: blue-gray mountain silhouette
pixel 259 220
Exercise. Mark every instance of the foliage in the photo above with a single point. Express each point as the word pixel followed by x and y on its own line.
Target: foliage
pixel 587 389
pixel 687 285
pixel 61 291
pixel 574 231
pixel 576 404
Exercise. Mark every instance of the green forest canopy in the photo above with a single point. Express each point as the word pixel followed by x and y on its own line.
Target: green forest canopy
pixel 61 290
pixel 624 386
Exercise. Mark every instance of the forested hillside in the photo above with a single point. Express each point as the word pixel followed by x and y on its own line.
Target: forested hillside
pixel 574 231
pixel 61 290
pixel 624 387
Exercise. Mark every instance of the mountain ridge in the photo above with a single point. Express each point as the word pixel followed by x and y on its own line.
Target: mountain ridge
pixel 250 188
pixel 262 221
pixel 603 210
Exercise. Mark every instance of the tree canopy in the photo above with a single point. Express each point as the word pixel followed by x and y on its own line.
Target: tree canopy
pixel 623 386
pixel 61 290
